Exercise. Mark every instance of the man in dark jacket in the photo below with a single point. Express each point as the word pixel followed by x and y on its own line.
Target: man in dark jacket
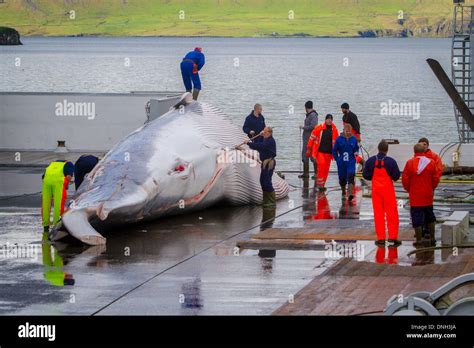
pixel 83 166
pixel 254 123
pixel 351 118
pixel 383 171
pixel 348 117
pixel 310 122
pixel 267 152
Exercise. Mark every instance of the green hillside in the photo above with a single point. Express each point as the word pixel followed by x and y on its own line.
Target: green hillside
pixel 226 17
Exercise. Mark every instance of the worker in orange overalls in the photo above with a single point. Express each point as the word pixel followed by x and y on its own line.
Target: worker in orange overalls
pixel 320 146
pixel 383 171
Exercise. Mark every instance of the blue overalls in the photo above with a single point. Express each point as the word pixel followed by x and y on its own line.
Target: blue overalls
pixel 267 151
pixel 256 124
pixel 343 153
pixel 190 66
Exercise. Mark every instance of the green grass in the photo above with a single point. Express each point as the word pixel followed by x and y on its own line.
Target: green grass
pixel 217 17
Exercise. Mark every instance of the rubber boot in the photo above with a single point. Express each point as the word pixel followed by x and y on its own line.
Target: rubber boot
pixel 351 192
pixel 269 199
pixel 305 170
pixel 431 230
pixel 315 166
pixel 419 236
pixel 196 93
pixel 380 243
pixel 343 189
pixel 272 196
pixel 394 243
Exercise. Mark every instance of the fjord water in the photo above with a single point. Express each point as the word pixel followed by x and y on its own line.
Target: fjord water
pixel 279 73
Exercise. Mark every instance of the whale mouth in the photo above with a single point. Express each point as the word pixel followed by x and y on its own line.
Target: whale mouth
pixel 77 221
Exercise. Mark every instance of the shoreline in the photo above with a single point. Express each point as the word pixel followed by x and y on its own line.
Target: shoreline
pixel 235 37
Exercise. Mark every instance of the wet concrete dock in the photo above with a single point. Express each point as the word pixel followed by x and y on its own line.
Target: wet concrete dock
pixel 361 288
pixel 181 265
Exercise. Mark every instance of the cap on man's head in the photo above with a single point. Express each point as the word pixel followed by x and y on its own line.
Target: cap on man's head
pixel 308 104
pixel 345 106
pixel 199 49
pixel 329 116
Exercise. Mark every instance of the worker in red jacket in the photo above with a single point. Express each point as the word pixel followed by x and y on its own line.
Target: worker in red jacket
pixel 420 179
pixel 383 171
pixel 320 146
pixel 432 155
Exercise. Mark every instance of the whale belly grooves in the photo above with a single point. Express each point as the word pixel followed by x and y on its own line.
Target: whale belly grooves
pixel 188 143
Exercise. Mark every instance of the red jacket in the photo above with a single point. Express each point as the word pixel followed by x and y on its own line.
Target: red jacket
pixel 315 138
pixel 420 179
pixel 437 161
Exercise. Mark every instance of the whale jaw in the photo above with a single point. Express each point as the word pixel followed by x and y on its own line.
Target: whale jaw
pixel 78 225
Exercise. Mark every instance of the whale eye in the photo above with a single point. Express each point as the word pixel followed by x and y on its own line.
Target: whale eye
pixel 178 167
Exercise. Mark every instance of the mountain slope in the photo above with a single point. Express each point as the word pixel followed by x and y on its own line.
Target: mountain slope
pixel 228 17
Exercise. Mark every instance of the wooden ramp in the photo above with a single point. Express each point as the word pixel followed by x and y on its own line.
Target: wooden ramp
pixel 350 287
pixel 310 237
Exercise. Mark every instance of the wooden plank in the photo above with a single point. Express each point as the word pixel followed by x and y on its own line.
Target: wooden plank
pixel 350 287
pixel 277 244
pixel 327 233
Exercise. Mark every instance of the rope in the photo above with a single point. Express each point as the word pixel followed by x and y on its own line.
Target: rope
pixel 366 152
pixel 301 149
pixel 22 195
pixel 422 250
pixel 194 255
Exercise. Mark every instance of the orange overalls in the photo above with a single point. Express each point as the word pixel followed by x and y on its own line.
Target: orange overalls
pixel 323 210
pixel 322 159
pixel 384 202
pixel 392 255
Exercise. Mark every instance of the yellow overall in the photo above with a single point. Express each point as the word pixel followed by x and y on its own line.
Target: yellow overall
pixel 53 268
pixel 54 188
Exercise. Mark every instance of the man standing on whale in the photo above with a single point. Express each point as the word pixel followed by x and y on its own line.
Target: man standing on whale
pixel 190 66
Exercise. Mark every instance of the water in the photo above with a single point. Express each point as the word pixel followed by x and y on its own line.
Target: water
pixel 281 74
pixel 194 254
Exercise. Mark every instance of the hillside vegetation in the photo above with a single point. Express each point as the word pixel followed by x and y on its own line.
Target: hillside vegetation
pixel 229 17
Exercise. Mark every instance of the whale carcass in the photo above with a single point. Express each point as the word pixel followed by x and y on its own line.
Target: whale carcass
pixel 182 161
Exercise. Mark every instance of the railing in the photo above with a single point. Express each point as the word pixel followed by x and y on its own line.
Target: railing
pixel 461 65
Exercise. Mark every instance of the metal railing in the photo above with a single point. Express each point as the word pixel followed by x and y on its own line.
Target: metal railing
pixel 461 68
